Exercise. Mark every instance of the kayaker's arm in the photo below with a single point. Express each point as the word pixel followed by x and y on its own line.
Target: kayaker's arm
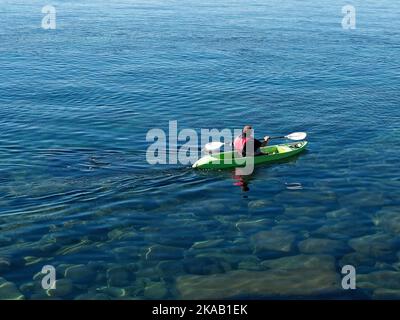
pixel 259 144
pixel 265 142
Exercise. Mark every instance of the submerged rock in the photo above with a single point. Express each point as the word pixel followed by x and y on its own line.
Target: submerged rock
pixel 379 280
pixel 80 274
pixel 386 294
pixel 42 296
pixel 82 245
pixel 64 287
pixel 379 265
pixel 252 263
pixel 306 282
pixel 9 291
pixel 254 225
pixel 207 244
pixel 357 260
pixel 299 224
pixel 28 288
pixel 176 238
pixel 213 206
pixel 121 234
pixel 229 258
pixel 205 265
pixel 155 290
pixel 92 296
pixel 97 265
pixel 5 265
pixel 119 277
pixel 302 261
pixel 256 204
pixel 49 247
pixel 388 219
pixel 273 240
pixel 340 229
pixel 113 292
pixel 244 248
pixel 131 252
pixel 318 245
pixel 340 213
pixel 223 221
pixel 170 268
pixel 375 245
pixel 160 252
pixel 29 260
pixel 362 199
pixel 148 273
pixel 136 290
pixel 315 211
pixel 5 241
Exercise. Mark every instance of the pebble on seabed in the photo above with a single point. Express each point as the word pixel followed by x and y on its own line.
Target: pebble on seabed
pixel 207 243
pixel 273 240
pixel 379 280
pixel 119 276
pixel 375 245
pixel 64 287
pixel 252 264
pixel 268 283
pixel 388 219
pixel 321 245
pixel 256 204
pixel 205 265
pixel 113 292
pixel 160 252
pixel 170 268
pixel 155 290
pixel 80 274
pixel 5 265
pixel 386 294
pixel 9 291
pixel 254 225
pixel 295 211
pixel 301 261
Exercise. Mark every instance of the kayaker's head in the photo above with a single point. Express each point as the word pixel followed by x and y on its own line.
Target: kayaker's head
pixel 247 131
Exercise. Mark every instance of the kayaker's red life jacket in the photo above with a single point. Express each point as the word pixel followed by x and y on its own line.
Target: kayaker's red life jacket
pixel 239 143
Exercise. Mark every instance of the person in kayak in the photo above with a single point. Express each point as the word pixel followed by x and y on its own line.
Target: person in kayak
pixel 246 141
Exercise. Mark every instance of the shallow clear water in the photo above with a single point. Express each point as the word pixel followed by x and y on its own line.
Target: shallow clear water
pixel 77 193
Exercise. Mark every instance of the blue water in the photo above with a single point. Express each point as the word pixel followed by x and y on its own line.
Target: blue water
pixel 77 193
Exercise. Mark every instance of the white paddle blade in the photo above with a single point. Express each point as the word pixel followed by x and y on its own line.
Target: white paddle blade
pixel 213 146
pixel 297 136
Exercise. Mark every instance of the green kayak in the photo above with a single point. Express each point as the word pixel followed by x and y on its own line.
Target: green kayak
pixel 225 160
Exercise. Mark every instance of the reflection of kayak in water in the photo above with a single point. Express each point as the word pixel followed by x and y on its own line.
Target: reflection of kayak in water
pixel 230 159
pixel 242 182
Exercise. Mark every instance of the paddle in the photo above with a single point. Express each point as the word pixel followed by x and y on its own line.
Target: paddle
pixel 216 145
